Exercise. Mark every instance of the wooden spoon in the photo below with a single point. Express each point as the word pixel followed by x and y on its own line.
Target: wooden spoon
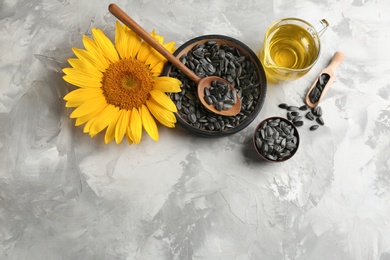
pixel 327 76
pixel 201 82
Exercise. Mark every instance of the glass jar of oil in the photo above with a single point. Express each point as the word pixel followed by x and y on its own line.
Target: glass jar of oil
pixel 290 49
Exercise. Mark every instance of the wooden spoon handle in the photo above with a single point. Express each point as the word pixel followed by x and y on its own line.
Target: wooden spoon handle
pixel 129 22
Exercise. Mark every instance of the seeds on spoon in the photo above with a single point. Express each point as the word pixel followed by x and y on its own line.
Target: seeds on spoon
pixel 220 95
pixel 276 139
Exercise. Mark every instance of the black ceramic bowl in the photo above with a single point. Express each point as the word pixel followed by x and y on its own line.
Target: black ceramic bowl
pixel 230 59
pixel 276 139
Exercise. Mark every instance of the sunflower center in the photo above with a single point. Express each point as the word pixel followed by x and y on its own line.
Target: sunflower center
pixel 127 83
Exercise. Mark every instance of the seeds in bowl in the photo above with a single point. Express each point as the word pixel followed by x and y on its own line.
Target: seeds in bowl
pixel 276 139
pixel 213 59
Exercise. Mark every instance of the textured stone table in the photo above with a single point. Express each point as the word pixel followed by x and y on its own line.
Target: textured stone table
pixel 64 195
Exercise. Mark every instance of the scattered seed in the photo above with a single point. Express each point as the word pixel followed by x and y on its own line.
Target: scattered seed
pixel 296 119
pixel 317 111
pixel 303 108
pixel 310 116
pixel 292 108
pixel 298 123
pixel 320 120
pixel 294 116
pixel 289 116
pixel 283 105
pixel 295 113
pixel 314 127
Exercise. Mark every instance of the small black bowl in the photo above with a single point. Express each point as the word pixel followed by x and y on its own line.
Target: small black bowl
pixel 276 139
pixel 238 64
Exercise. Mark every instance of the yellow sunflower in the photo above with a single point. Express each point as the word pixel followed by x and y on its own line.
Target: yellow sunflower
pixel 120 87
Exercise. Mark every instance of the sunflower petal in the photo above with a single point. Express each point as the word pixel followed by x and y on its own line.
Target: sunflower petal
pixel 129 141
pixel 95 52
pixel 167 84
pixel 82 64
pixel 135 126
pixel 80 93
pixel 89 107
pixel 121 125
pixel 110 132
pixel 155 59
pixel 87 126
pixel 105 45
pixel 170 46
pixel 162 99
pixel 103 119
pixel 121 41
pixel 164 116
pixel 84 75
pixel 158 38
pixel 84 119
pixel 143 52
pixel 133 42
pixel 157 68
pixel 156 62
pixel 149 123
pixel 87 57
pixel 80 96
pixel 82 81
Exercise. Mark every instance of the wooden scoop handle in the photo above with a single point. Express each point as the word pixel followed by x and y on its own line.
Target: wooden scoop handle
pixel 338 57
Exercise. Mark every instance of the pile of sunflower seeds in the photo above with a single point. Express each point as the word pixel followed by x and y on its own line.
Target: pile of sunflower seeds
pixel 316 92
pixel 314 114
pixel 276 139
pixel 227 62
pixel 220 95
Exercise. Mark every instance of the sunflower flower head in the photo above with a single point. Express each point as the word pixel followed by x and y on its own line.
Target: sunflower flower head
pixel 119 87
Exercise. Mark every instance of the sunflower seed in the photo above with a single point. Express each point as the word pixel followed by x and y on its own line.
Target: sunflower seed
pixel 289 116
pixel 298 123
pixel 320 120
pixel 317 111
pixel 275 122
pixel 283 105
pixel 314 127
pixel 226 106
pixel 192 118
pixel 292 108
pixel 219 106
pixel 295 113
pixel 179 104
pixel 208 100
pixel 309 116
pixel 303 108
pixel 296 119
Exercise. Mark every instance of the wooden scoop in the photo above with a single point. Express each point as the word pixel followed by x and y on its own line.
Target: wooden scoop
pixel 318 90
pixel 201 82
